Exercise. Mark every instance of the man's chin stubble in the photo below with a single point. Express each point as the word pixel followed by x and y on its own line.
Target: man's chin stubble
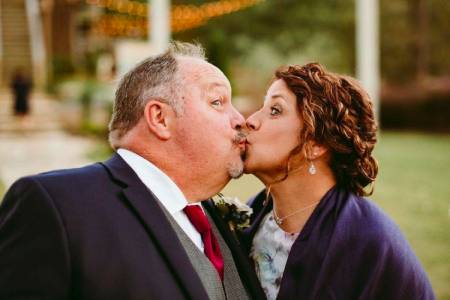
pixel 236 168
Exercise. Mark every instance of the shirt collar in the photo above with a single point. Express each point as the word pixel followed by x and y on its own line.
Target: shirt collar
pixel 161 185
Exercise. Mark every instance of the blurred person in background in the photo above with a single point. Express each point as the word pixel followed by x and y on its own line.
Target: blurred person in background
pixel 313 234
pixel 21 87
pixel 133 227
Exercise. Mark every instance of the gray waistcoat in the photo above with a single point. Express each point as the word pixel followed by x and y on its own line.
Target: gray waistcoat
pixel 232 287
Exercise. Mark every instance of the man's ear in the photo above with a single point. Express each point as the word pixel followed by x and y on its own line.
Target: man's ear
pixel 158 117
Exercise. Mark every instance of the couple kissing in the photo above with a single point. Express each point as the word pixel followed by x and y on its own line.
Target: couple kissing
pixel 141 226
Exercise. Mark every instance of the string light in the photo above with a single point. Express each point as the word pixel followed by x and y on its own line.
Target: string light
pixel 132 20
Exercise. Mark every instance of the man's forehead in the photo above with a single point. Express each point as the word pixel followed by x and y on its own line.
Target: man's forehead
pixel 199 71
pixel 214 86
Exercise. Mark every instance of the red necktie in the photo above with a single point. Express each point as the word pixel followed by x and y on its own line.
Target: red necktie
pixel 200 222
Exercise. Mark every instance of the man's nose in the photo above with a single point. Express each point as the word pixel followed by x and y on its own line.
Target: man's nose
pixel 237 121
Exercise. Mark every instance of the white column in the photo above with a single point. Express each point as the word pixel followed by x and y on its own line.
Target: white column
pixel 159 16
pixel 37 44
pixel 367 49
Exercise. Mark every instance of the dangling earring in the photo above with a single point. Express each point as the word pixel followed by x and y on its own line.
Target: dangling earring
pixel 266 201
pixel 312 168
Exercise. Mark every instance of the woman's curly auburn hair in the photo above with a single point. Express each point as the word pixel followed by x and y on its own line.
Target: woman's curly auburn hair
pixel 337 113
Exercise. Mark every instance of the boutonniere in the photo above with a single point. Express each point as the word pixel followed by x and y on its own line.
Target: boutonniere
pixel 234 212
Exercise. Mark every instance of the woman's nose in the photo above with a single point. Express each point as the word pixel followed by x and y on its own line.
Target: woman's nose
pixel 252 122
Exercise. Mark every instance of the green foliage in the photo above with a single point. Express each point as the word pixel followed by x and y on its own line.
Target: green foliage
pixel 399 21
pixel 62 66
pixel 295 31
pixel 397 40
pixel 101 152
pixel 91 104
pixel 250 44
pixel 439 31
pixel 288 27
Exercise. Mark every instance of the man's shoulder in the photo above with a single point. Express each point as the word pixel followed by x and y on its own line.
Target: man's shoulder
pixel 70 176
pixel 64 181
pixel 69 191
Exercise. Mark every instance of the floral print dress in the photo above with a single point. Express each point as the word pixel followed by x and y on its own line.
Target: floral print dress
pixel 270 251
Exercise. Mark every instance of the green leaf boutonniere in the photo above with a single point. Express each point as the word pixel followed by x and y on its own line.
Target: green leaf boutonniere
pixel 234 212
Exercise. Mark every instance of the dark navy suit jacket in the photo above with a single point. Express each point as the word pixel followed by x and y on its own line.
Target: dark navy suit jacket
pixel 348 249
pixel 97 233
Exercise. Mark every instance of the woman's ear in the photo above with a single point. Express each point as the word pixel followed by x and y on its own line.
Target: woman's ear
pixel 158 117
pixel 315 150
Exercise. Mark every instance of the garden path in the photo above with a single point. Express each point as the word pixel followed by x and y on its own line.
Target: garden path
pixel 38 142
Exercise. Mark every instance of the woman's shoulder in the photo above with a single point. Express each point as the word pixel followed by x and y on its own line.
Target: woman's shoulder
pixel 363 220
pixel 373 238
pixel 363 211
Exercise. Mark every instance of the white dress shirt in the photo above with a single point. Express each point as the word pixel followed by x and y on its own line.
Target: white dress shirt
pixel 165 190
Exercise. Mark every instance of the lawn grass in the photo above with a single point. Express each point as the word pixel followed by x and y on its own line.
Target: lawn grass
pixel 413 187
pixel 2 190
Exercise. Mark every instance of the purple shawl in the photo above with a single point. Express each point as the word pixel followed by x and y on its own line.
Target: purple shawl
pixel 348 249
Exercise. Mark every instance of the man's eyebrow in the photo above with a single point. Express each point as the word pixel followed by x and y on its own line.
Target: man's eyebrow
pixel 213 85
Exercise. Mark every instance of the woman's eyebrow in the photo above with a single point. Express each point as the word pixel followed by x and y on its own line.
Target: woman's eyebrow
pixel 275 96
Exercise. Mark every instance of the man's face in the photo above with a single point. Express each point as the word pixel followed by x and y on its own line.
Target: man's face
pixel 208 128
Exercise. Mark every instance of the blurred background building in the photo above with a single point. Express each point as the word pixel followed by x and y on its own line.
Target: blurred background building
pixel 40 34
pixel 60 39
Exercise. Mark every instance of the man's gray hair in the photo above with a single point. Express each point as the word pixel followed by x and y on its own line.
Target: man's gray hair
pixel 156 77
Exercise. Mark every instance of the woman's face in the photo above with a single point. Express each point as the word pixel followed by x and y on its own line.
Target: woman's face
pixel 274 131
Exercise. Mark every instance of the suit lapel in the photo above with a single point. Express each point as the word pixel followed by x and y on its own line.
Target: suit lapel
pixel 150 214
pixel 243 265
